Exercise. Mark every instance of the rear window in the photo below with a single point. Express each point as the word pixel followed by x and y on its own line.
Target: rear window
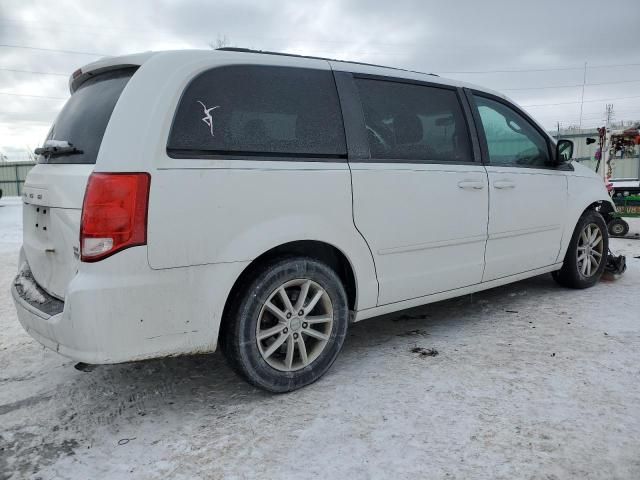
pixel 259 110
pixel 84 118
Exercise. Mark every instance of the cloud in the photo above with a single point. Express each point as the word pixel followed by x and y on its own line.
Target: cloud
pixel 430 36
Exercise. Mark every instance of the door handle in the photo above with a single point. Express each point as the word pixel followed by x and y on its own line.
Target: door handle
pixel 471 184
pixel 502 184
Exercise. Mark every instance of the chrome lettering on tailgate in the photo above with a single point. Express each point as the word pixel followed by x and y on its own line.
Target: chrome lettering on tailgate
pixel 35 195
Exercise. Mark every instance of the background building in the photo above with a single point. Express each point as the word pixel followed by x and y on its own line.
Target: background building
pixel 625 159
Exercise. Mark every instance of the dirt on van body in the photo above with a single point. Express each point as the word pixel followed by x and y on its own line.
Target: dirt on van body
pixel 502 400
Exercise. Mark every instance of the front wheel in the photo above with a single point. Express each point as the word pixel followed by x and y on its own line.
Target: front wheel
pixel 286 325
pixel 586 256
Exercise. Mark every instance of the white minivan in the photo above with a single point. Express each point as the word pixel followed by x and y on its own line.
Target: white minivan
pixel 263 201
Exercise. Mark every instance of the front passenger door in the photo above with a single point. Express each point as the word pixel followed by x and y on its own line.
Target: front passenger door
pixel 527 193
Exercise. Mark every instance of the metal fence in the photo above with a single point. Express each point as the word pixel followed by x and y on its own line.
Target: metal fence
pixel 12 175
pixel 626 167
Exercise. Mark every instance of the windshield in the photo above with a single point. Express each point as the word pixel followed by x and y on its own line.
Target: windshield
pixel 84 118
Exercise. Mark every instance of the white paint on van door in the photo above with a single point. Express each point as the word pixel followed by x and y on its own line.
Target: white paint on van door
pixel 425 223
pixel 527 212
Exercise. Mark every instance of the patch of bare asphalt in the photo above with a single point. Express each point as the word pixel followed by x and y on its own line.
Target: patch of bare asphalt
pixel 23 454
pixel 25 402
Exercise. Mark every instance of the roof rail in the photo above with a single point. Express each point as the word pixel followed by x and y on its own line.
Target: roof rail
pixel 267 52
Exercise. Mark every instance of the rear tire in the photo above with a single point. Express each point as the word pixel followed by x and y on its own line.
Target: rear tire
pixel 618 227
pixel 587 253
pixel 281 344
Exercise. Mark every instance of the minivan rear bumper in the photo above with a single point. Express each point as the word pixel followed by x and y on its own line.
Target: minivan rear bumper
pixel 120 310
pixel 37 323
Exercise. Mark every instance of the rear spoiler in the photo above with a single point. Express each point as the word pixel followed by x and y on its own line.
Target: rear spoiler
pixel 105 65
pixel 80 76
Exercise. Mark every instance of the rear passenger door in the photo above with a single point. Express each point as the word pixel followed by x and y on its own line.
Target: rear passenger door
pixel 419 191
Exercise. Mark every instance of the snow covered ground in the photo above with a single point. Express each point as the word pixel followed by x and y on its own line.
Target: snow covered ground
pixel 532 381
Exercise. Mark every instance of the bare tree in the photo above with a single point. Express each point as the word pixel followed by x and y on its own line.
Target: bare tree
pixel 30 155
pixel 220 42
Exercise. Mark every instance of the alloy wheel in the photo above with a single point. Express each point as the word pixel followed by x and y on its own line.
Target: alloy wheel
pixel 294 325
pixel 590 250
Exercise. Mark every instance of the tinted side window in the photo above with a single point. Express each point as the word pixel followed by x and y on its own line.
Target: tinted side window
pixel 511 139
pixel 413 122
pixel 271 111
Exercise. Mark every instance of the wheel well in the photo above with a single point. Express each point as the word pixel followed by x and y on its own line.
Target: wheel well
pixel 321 251
pixel 603 207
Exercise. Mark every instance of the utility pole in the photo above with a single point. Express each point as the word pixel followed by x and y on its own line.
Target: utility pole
pixel 604 151
pixel 609 114
pixel 584 82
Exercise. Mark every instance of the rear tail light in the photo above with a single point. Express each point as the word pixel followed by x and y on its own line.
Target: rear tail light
pixel 114 214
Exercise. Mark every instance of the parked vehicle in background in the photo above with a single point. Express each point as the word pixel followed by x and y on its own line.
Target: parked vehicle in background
pixel 627 205
pixel 624 155
pixel 623 187
pixel 263 201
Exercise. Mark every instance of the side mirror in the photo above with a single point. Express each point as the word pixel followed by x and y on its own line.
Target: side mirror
pixel 591 140
pixel 564 151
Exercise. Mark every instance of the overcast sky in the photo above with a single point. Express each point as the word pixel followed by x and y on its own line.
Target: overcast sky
pixel 532 51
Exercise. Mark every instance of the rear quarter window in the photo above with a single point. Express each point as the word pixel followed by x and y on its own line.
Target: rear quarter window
pixel 84 118
pixel 258 110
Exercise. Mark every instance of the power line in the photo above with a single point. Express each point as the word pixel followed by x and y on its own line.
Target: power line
pixel 27 122
pixel 33 72
pixel 32 96
pixel 73 52
pixel 586 101
pixel 597 110
pixel 623 112
pixel 97 29
pixel 544 69
pixel 505 89
pixel 568 86
pixel 511 71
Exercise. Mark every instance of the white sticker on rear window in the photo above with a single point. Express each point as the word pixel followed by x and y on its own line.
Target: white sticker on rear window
pixel 208 119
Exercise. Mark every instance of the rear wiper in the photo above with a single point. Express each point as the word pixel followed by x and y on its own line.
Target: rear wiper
pixel 51 148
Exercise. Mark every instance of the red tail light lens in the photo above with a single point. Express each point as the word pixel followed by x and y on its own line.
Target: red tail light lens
pixel 114 214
